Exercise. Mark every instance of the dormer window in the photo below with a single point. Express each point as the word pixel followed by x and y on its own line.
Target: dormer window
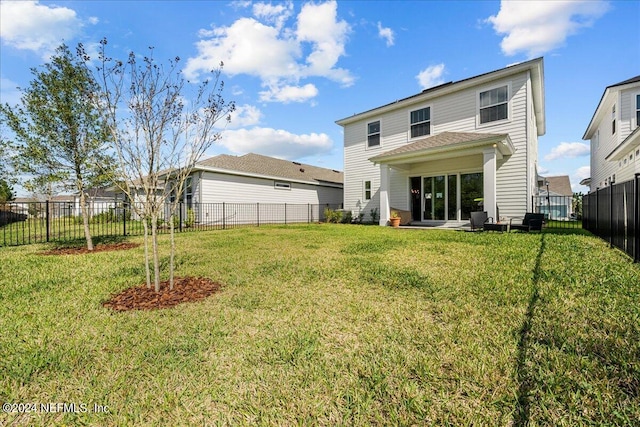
pixel 494 104
pixel 421 122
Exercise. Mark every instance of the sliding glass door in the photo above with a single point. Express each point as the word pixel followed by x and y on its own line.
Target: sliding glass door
pixel 449 197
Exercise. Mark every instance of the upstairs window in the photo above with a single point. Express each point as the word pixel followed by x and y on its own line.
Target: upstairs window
pixel 421 122
pixel 373 134
pixel 494 105
pixel 613 119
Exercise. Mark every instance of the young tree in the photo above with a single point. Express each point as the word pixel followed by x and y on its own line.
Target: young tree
pixel 160 127
pixel 6 192
pixel 60 135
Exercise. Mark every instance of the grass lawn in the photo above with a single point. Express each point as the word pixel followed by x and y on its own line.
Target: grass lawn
pixel 331 324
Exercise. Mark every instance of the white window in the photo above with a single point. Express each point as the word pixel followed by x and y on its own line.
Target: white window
pixel 494 104
pixel 282 185
pixel 420 122
pixel 367 190
pixel 373 134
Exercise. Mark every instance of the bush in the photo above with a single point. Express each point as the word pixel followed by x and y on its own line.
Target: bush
pixel 332 216
pixel 347 218
pixel 374 215
pixel 191 218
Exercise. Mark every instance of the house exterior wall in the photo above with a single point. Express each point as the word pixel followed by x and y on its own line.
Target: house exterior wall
pixel 218 187
pixel 603 141
pixel 456 112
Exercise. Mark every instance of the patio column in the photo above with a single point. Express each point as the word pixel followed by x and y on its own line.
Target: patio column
pixel 490 156
pixel 384 194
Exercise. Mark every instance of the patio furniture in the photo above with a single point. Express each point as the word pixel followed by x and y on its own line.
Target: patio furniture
pixel 478 220
pixel 497 226
pixel 530 222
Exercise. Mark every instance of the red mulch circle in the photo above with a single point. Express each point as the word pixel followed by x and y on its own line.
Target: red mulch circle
pixel 185 289
pixel 97 248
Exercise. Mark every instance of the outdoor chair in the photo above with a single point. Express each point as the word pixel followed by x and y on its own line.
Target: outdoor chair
pixel 478 219
pixel 530 222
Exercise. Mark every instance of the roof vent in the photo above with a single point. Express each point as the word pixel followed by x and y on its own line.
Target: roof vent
pixel 296 163
pixel 335 171
pixel 301 169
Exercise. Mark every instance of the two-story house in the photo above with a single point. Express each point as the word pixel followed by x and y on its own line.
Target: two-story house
pixel 614 135
pixel 449 150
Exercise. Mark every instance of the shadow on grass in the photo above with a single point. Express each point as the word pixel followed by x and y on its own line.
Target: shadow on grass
pixel 521 417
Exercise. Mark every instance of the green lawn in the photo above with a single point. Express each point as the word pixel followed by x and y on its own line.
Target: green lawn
pixel 331 325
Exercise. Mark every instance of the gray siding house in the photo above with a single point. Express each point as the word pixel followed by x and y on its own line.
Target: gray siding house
pixel 449 150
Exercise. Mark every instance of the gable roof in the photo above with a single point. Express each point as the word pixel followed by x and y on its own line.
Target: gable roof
pixel 534 66
pixel 560 185
pixel 269 167
pixel 598 112
pixel 447 141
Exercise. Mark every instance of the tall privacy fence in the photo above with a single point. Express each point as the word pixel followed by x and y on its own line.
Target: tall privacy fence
pixel 559 211
pixel 38 222
pixel 613 214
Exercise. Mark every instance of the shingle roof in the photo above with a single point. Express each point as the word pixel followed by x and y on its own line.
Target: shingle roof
pixel 270 166
pixel 560 185
pixel 626 82
pixel 441 140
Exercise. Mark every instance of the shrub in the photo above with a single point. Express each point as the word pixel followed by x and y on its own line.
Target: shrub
pixel 191 218
pixel 333 216
pixel 374 215
pixel 347 217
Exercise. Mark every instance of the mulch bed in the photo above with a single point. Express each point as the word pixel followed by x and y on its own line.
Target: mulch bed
pixel 186 289
pixel 97 248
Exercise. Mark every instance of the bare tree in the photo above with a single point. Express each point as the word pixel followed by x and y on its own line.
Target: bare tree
pixel 161 125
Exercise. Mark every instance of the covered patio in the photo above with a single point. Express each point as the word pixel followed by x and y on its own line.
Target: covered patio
pixel 440 175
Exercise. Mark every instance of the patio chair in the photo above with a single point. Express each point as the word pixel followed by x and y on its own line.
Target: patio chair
pixel 478 219
pixel 530 222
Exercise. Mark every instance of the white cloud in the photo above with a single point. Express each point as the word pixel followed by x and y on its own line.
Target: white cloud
pixel 277 14
pixel 287 94
pixel 431 76
pixel 244 115
pixel 568 150
pixel 276 142
pixel 29 25
pixel 583 172
pixel 386 33
pixel 9 93
pixel 537 27
pixel 93 20
pixel 265 47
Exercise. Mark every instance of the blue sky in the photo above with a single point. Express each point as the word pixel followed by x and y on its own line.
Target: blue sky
pixel 294 68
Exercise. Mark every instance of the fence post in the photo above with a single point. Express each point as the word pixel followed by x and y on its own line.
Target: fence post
pixel 224 217
pixel 47 219
pixel 636 219
pixel 610 214
pixel 308 213
pixel 180 216
pixel 124 219
pixel 258 213
pixel 285 214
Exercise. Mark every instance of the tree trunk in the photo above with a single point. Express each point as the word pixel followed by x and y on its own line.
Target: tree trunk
pixel 173 247
pixel 156 257
pixel 85 220
pixel 146 250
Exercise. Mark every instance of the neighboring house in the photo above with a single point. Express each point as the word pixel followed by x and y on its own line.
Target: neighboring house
pixel 449 150
pixel 614 134
pixel 257 179
pixel 99 200
pixel 559 204
pixel 60 206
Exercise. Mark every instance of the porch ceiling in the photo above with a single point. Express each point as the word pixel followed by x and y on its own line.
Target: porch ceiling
pixel 446 145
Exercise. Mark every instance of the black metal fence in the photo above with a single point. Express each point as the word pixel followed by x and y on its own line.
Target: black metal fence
pixel 559 211
pixel 613 214
pixel 38 222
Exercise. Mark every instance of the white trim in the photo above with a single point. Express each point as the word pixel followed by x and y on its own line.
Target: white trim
pixel 416 108
pixel 509 112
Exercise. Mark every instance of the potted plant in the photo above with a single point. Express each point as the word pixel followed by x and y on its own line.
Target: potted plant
pixel 395 219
